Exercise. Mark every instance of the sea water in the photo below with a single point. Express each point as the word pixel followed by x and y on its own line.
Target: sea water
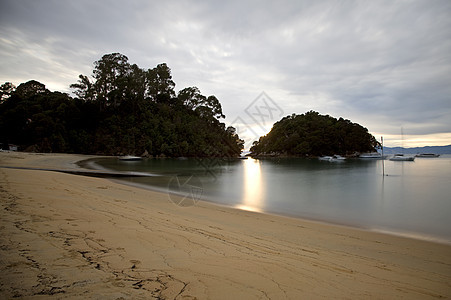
pixel 405 198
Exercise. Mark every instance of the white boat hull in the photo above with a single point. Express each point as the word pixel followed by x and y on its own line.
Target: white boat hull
pixel 336 158
pixel 372 156
pixel 402 158
pixel 428 155
pixel 130 158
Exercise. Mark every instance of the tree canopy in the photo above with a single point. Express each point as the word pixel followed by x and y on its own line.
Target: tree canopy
pixel 312 134
pixel 120 109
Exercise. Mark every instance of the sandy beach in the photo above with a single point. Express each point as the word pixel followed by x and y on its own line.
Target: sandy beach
pixel 78 237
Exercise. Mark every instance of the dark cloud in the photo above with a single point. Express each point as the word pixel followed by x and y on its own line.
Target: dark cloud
pixel 384 64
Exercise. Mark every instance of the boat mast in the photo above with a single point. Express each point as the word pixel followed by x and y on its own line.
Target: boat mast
pixel 382 147
pixel 402 140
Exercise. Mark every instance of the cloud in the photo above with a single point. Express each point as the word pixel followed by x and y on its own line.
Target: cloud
pixel 383 64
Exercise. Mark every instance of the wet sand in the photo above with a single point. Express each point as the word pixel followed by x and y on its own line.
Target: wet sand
pixel 70 236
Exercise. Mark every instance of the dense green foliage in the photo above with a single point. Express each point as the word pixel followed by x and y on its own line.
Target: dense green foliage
pixel 123 109
pixel 314 134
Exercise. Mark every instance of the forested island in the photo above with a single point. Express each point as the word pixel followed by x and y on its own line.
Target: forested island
pixel 121 109
pixel 312 134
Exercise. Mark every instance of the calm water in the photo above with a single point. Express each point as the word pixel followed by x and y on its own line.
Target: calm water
pixel 414 198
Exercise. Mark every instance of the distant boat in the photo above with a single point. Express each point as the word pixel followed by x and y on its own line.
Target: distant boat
pixel 429 155
pixel 130 158
pixel 402 157
pixel 372 155
pixel 326 158
pixel 338 158
pixel 334 158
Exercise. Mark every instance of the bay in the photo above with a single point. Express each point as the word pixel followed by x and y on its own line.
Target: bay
pixel 412 199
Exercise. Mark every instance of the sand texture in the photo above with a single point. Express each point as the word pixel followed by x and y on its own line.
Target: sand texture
pixel 69 236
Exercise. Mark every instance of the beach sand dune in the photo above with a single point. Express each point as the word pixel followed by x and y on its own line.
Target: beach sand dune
pixel 69 236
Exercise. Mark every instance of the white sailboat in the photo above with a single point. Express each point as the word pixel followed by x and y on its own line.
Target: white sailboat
pixel 401 156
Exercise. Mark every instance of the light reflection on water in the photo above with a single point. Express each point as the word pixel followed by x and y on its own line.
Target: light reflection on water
pixel 252 199
pixel 414 198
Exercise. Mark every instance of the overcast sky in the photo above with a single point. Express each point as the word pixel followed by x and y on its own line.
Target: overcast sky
pixel 383 64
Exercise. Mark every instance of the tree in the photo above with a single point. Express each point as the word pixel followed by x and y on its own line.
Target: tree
pixel 191 97
pixel 315 134
pixel 235 143
pixel 6 91
pixel 121 109
pixel 110 77
pixel 208 107
pixel 84 89
pixel 30 88
pixel 214 106
pixel 160 87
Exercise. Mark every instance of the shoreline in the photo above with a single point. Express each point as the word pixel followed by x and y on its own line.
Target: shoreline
pixel 76 236
pixel 90 162
pixel 87 162
pixel 338 223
